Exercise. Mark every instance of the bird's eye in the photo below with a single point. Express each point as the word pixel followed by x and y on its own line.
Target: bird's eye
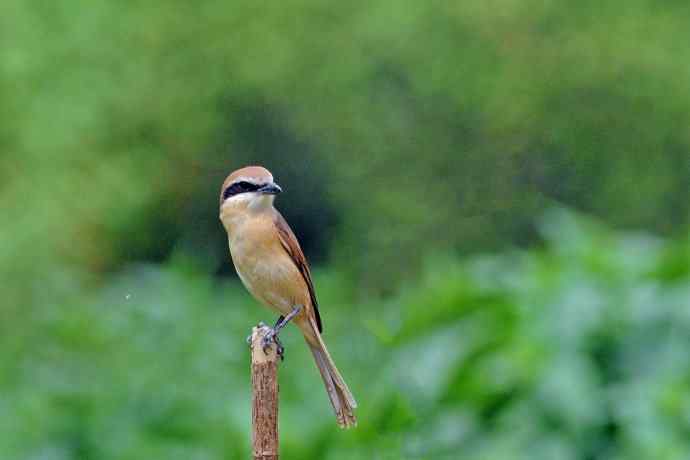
pixel 239 187
pixel 247 186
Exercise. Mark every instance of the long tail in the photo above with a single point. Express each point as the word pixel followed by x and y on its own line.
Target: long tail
pixel 341 398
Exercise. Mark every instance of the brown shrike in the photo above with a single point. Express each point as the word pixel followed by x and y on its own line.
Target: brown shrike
pixel 272 267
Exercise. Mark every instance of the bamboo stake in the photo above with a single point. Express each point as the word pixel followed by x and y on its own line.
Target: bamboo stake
pixel 264 397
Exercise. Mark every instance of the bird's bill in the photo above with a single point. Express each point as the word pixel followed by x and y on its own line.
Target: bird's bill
pixel 270 189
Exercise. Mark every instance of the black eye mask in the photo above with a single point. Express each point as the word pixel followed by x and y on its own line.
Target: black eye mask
pixel 239 187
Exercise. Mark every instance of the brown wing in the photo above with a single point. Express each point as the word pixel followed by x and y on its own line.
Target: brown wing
pixel 291 245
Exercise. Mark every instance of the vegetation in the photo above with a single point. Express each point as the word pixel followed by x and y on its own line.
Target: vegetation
pixel 429 152
pixel 577 350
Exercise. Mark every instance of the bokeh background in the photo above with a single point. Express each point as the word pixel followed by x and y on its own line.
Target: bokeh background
pixel 494 196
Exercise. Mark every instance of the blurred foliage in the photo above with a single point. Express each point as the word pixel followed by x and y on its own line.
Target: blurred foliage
pixel 406 135
pixel 384 120
pixel 574 351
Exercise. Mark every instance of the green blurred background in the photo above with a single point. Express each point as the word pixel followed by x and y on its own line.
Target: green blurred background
pixel 494 196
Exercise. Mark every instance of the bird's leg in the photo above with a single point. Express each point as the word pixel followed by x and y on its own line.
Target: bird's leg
pixel 279 345
pixel 272 335
pixel 282 322
pixel 278 321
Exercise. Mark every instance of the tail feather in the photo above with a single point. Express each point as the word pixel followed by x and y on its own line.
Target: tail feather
pixel 339 394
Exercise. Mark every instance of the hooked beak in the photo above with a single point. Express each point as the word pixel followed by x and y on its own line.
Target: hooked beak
pixel 270 189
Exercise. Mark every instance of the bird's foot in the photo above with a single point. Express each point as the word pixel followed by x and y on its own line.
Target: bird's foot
pixel 249 337
pixel 272 336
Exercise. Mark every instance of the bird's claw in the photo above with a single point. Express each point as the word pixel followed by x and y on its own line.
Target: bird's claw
pixel 249 337
pixel 272 336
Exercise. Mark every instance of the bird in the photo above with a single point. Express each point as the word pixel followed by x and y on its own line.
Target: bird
pixel 270 263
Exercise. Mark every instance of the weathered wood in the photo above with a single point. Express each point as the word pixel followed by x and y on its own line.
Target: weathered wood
pixel 264 397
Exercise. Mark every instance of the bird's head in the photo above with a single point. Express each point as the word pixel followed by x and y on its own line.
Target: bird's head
pixel 248 189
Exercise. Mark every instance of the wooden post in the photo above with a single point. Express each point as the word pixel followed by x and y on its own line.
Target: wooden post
pixel 264 397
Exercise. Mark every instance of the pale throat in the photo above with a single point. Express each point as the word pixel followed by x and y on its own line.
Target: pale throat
pixel 238 209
